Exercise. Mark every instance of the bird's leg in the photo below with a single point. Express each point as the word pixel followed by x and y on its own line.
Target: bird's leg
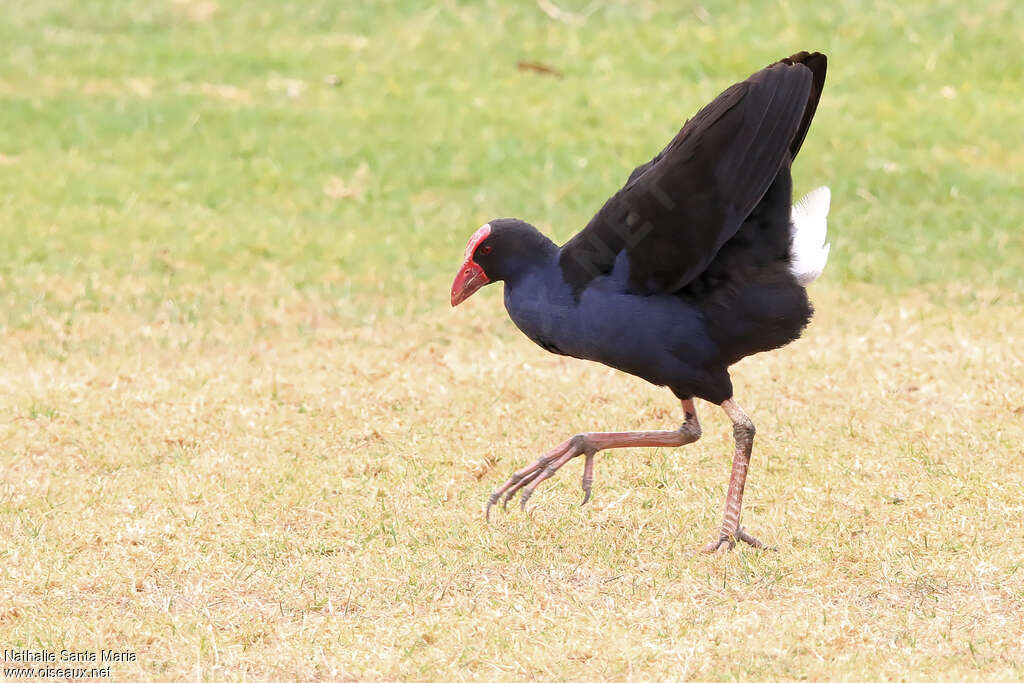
pixel 743 431
pixel 588 444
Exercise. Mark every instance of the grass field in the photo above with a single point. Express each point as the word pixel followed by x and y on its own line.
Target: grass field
pixel 243 435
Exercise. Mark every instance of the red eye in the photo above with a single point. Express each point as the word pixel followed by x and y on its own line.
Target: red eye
pixel 485 250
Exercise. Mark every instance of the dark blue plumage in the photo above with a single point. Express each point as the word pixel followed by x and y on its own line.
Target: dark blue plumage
pixel 663 339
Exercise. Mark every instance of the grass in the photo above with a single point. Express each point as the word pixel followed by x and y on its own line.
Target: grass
pixel 242 435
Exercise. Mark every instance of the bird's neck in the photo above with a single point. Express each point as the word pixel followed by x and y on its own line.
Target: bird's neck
pixel 534 255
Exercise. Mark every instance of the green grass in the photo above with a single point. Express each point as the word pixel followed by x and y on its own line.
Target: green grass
pixel 148 144
pixel 242 434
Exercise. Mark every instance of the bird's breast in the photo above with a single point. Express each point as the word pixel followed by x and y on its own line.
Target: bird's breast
pixel 636 334
pixel 545 312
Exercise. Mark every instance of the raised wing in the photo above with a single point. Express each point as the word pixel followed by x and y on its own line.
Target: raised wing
pixel 676 211
pixel 818 64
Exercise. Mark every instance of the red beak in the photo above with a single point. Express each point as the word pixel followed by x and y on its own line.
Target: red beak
pixel 470 278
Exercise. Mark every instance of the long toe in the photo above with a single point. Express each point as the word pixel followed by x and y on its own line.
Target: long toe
pixel 719 545
pixel 750 540
pixel 588 477
pixel 548 471
pixel 726 542
pixel 527 479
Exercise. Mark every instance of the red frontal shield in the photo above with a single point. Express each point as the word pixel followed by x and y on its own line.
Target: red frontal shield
pixel 471 276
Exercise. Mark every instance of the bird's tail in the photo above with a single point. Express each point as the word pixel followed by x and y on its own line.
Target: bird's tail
pixel 808 251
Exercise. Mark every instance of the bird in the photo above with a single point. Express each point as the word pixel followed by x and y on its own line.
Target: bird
pixel 700 260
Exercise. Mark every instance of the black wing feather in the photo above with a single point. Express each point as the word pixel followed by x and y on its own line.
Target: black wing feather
pixel 676 211
pixel 818 64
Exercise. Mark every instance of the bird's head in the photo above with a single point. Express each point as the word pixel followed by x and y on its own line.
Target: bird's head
pixel 498 251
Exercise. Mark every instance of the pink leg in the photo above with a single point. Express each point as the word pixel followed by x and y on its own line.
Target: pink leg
pixel 587 444
pixel 743 431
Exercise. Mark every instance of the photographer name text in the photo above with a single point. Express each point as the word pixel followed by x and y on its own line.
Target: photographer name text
pixel 80 656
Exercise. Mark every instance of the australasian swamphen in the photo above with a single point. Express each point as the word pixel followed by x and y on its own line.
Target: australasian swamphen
pixel 699 261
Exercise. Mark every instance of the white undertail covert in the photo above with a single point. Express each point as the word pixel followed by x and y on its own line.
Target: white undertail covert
pixel 808 249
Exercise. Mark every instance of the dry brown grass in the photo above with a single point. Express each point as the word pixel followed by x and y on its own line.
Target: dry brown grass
pixel 277 489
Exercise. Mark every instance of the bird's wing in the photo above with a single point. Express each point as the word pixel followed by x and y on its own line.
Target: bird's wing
pixel 818 64
pixel 676 211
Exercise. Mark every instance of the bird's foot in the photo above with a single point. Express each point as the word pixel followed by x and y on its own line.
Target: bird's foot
pixel 527 479
pixel 727 541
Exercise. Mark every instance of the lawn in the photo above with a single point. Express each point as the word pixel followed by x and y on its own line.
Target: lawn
pixel 244 436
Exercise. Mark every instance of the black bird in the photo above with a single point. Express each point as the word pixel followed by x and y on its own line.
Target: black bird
pixel 698 261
